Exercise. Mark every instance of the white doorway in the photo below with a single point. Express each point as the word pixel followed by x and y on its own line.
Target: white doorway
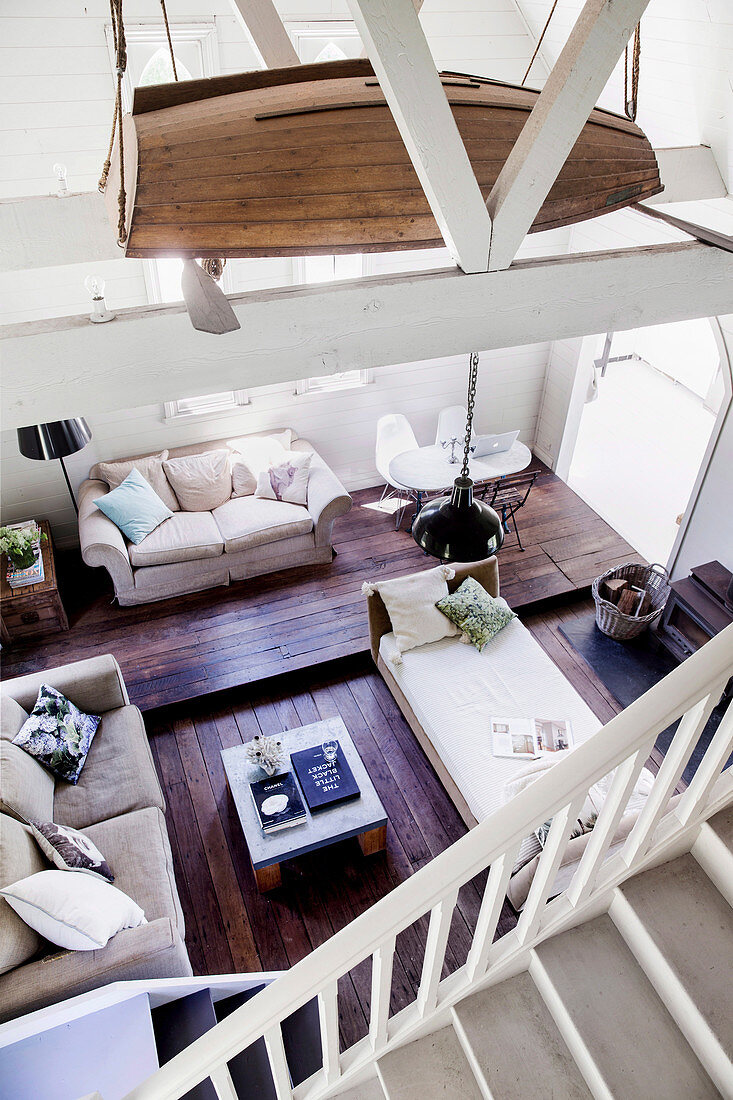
pixel 652 400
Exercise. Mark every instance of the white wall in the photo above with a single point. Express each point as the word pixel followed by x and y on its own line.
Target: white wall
pixel 341 425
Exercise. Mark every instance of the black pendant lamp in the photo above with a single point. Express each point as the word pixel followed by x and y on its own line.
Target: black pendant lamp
pixel 55 440
pixel 458 527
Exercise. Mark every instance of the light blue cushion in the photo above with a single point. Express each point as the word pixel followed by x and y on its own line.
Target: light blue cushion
pixel 135 507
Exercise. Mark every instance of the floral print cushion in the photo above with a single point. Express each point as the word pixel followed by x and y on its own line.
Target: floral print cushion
pixel 477 614
pixel 58 734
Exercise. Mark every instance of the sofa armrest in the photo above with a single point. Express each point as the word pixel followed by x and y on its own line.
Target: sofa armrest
pixel 102 542
pixel 95 685
pixel 327 498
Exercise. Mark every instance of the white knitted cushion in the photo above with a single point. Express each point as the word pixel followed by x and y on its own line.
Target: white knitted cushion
pixel 410 603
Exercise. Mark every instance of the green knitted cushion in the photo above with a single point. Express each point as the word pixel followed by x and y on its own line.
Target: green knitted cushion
pixel 477 614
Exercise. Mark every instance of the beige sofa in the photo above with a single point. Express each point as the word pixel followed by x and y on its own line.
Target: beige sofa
pixel 119 805
pixel 244 537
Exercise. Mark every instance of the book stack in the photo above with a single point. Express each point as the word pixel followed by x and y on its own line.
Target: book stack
pixel 278 803
pixel 324 782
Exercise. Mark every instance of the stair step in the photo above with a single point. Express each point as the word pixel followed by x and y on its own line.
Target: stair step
pixel 690 924
pixel 713 850
pixel 370 1090
pixel 514 1044
pixel 613 1021
pixel 177 1024
pixel 110 1051
pixel 301 1032
pixel 430 1067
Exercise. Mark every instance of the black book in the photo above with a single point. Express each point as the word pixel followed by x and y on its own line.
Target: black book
pixel 323 782
pixel 277 802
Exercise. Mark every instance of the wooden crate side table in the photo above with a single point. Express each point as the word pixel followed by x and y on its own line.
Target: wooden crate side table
pixel 34 611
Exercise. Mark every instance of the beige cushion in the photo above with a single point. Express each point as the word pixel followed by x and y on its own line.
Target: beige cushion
pixel 186 536
pixel 251 521
pixel 201 482
pixel 26 787
pixel 137 848
pixel 118 777
pixel 410 603
pixel 153 950
pixel 12 716
pixel 20 857
pixel 94 685
pixel 151 468
pixel 252 455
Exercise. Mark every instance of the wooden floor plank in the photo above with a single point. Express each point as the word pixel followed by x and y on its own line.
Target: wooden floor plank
pixel 213 641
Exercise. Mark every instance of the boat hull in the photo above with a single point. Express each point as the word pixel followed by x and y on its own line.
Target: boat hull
pixel 309 161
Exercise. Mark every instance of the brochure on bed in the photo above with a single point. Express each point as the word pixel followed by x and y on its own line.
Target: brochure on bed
pixel 455 692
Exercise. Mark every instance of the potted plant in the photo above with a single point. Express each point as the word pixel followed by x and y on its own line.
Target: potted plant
pixel 21 544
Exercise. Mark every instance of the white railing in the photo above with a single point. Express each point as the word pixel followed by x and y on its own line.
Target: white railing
pixel 624 744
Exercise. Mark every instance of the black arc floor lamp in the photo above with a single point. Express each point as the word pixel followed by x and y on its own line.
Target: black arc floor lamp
pixel 55 440
pixel 459 527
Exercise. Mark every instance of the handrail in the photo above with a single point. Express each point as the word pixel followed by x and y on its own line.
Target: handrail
pixel 635 728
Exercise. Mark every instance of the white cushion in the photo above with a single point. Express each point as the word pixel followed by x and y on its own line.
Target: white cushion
pixel 251 521
pixel 410 603
pixel 201 482
pixel 151 468
pixel 186 536
pixel 252 455
pixel 79 912
pixel 288 480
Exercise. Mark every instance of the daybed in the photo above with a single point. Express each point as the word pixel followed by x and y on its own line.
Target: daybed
pixel 449 692
pixel 119 805
pixel 245 536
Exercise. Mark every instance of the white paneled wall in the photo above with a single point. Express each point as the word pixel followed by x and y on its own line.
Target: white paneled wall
pixel 685 90
pixel 342 426
pixel 559 377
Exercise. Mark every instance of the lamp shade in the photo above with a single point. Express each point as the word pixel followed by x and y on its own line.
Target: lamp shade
pixel 55 440
pixel 458 528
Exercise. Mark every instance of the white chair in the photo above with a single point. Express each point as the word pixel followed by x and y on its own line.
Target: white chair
pixel 452 424
pixel 394 435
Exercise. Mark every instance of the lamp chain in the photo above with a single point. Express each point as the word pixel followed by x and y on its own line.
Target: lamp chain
pixel 470 403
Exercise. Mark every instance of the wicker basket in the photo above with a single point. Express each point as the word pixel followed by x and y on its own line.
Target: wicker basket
pixel 654 578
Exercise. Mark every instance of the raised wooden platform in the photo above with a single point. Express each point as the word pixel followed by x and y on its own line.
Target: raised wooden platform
pixel 194 645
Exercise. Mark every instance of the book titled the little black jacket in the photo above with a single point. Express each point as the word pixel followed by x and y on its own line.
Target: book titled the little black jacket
pixel 323 782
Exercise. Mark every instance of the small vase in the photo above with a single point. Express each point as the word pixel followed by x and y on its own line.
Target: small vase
pixel 269 769
pixel 26 560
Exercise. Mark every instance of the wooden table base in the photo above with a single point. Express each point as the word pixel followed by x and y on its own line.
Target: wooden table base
pixel 370 842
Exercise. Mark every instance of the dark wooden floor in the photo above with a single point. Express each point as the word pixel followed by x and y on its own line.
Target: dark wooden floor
pixel 194 645
pixel 230 927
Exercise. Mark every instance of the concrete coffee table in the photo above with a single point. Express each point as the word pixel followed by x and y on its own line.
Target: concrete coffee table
pixel 362 817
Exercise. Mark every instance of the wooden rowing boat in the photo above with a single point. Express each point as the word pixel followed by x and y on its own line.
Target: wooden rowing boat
pixel 308 160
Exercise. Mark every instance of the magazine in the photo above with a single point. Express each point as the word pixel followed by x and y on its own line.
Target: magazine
pixel 529 738
pixel 21 578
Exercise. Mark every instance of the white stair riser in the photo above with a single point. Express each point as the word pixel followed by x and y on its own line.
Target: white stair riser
pixel 673 994
pixel 716 860
pixel 569 1032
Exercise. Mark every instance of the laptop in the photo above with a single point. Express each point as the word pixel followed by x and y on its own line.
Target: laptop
pixel 493 444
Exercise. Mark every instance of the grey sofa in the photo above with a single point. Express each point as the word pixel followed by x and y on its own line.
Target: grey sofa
pixel 245 537
pixel 119 804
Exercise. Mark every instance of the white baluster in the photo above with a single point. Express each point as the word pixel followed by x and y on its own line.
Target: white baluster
pixel 382 964
pixel 688 733
pixel 328 1013
pixel 604 831
pixel 488 918
pixel 278 1063
pixel 437 941
pixel 697 794
pixel 547 868
pixel 221 1079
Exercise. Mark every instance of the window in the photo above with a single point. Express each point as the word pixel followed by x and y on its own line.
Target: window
pixel 329 383
pixel 324 40
pixel 211 404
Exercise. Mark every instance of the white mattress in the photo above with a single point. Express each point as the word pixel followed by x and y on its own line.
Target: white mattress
pixel 454 691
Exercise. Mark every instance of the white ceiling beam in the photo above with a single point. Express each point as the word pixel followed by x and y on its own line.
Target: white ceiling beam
pixel 572 89
pixel 67 367
pixel 49 231
pixel 399 52
pixel 689 174
pixel 263 25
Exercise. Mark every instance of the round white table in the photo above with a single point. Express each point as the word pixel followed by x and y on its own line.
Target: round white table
pixel 427 469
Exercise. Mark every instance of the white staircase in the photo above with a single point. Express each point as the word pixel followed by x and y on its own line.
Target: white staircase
pixel 615 984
